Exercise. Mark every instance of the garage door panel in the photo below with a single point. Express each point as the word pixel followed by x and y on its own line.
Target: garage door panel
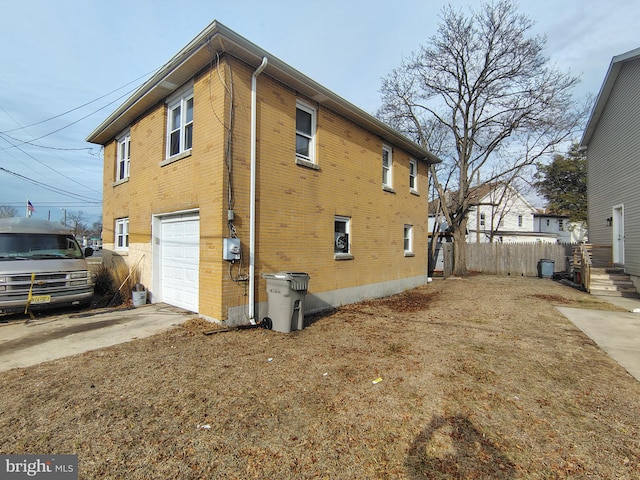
pixel 180 262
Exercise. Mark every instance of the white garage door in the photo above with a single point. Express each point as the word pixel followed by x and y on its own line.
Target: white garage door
pixel 179 261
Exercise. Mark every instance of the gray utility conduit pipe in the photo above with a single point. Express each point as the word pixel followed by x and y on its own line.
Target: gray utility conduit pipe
pixel 252 200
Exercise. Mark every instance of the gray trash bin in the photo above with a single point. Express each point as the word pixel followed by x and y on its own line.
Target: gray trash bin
pixel 286 292
pixel 545 268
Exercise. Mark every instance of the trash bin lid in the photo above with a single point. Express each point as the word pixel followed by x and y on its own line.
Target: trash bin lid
pixel 286 275
pixel 295 274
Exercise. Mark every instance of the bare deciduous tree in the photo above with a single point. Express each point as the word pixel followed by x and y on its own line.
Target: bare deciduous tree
pixel 482 96
pixel 76 222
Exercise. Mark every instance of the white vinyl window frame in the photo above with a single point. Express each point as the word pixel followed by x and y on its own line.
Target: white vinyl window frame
pixel 180 124
pixel 413 175
pixel 123 160
pixel 408 240
pixel 342 238
pixel 387 168
pixel 122 234
pixel 306 119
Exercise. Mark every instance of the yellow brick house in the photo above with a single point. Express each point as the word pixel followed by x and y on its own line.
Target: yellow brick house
pixel 227 146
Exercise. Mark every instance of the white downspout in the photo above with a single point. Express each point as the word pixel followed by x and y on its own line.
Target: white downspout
pixel 252 200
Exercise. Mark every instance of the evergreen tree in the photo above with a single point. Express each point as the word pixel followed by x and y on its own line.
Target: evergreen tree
pixel 563 183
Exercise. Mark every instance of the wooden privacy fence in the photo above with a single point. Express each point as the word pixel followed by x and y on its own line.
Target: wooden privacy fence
pixel 516 258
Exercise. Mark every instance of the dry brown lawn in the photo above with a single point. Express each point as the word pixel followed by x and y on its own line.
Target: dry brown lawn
pixel 480 378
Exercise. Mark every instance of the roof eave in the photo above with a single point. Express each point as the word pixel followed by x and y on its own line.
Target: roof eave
pixel 195 56
pixel 605 91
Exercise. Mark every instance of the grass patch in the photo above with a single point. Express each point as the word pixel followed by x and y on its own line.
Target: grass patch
pixel 522 394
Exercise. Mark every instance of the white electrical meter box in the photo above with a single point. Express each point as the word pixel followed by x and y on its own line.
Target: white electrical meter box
pixel 231 249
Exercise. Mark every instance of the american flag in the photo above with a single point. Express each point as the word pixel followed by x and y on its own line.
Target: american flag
pixel 30 207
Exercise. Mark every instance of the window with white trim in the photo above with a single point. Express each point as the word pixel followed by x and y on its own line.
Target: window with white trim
pixel 413 175
pixel 387 165
pixel 408 239
pixel 305 132
pixel 560 224
pixel 519 220
pixel 180 124
pixel 122 234
pixel 124 157
pixel 342 236
pixel 483 218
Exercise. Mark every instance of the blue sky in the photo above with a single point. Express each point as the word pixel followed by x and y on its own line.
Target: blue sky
pixel 60 55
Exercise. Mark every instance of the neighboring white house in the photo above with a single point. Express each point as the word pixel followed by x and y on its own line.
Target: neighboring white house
pixel 499 213
pixel 612 140
pixel 561 226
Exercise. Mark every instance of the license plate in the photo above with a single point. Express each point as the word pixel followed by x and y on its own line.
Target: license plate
pixel 40 299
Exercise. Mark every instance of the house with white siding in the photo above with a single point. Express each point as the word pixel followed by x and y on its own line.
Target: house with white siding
pixel 612 142
pixel 500 214
pixel 559 226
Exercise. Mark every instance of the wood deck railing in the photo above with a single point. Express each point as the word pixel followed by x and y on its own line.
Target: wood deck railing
pixel 582 266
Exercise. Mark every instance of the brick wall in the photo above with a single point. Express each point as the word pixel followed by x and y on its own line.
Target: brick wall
pixel 296 205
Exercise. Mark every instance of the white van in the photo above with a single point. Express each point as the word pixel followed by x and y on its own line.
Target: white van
pixel 42 264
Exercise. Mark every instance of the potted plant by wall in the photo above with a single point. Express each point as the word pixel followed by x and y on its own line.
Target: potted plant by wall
pixel 138 295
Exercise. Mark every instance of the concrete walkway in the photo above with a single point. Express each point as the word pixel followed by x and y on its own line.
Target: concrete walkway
pixel 617 333
pixel 23 344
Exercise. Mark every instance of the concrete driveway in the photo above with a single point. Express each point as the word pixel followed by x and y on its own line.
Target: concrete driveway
pixel 23 343
pixel 617 333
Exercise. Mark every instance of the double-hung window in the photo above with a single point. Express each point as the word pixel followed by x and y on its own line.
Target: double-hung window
pixel 408 239
pixel 413 175
pixel 387 164
pixel 124 157
pixel 305 132
pixel 180 124
pixel 122 234
pixel 519 220
pixel 341 237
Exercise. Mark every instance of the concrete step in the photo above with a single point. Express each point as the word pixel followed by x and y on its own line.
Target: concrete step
pixel 613 288
pixel 612 281
pixel 615 293
pixel 622 282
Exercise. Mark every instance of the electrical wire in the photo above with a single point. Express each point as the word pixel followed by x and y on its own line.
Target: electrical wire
pixel 73 204
pixel 5 135
pixel 22 142
pixel 52 189
pixel 54 170
pixel 47 147
pixel 81 106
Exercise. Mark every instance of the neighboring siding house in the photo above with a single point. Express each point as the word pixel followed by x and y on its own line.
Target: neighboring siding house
pixel 560 228
pixel 499 214
pixel 336 193
pixel 612 140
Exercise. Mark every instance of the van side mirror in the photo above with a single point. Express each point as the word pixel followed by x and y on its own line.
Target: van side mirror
pixel 88 252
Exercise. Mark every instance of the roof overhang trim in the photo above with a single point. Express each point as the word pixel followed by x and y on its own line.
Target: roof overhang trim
pixel 605 91
pixel 217 39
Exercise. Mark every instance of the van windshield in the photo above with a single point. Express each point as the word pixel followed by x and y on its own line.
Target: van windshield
pixel 35 246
